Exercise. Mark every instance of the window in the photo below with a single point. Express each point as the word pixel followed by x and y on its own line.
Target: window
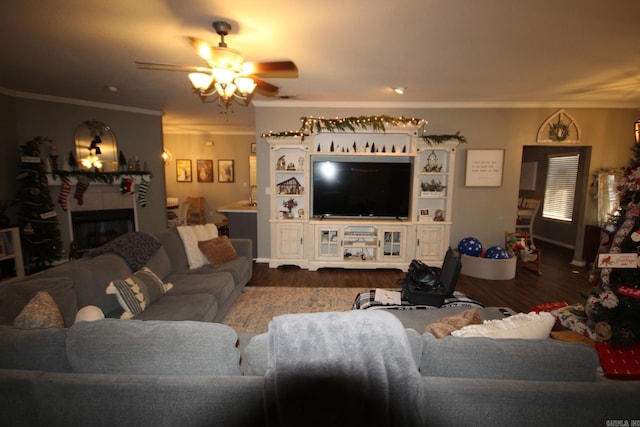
pixel 560 190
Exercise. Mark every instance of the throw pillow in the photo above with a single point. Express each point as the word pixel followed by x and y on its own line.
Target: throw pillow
pixel 447 325
pixel 191 235
pixel 89 313
pixel 14 296
pixel 523 326
pixel 41 312
pixel 218 250
pixel 136 292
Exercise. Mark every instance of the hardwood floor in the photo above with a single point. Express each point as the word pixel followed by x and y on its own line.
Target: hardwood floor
pixel 559 281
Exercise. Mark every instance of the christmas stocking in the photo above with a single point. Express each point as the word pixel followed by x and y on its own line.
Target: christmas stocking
pixel 65 188
pixel 81 187
pixel 142 192
pixel 126 185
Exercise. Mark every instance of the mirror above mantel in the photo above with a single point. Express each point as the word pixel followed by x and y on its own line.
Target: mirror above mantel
pixel 96 146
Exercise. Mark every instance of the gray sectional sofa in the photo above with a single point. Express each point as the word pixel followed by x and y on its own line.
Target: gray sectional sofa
pixel 174 366
pixel 166 373
pixel 203 294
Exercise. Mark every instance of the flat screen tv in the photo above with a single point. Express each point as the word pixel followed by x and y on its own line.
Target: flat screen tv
pixel 352 187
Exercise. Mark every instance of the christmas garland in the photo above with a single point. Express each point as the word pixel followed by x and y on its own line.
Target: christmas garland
pixel 353 123
pixel 376 123
pixel 439 139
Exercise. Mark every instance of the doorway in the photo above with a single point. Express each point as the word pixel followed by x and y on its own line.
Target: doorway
pixel 534 168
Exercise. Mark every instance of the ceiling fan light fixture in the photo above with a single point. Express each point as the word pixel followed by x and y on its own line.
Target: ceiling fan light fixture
pixel 225 91
pixel 245 85
pixel 223 76
pixel 201 81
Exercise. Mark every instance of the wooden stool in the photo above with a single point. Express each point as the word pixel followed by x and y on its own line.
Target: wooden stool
pixel 195 212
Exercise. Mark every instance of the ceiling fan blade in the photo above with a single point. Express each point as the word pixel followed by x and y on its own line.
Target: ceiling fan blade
pixel 171 67
pixel 265 88
pixel 202 48
pixel 275 69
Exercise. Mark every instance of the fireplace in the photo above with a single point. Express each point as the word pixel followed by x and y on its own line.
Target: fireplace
pixel 94 228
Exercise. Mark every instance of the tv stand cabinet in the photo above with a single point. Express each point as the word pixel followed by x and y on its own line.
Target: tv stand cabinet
pixel 313 243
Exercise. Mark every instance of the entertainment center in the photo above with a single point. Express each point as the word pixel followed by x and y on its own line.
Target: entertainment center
pixel 363 199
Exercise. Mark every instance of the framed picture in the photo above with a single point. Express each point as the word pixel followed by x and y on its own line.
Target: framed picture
pixel 484 168
pixel 253 148
pixel 226 171
pixel 183 170
pixel 205 170
pixel 425 216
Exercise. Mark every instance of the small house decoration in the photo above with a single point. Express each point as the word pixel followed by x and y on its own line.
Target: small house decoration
pixel 290 186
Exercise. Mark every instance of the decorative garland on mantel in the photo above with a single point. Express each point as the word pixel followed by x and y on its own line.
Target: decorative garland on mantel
pixel 103 177
pixel 375 123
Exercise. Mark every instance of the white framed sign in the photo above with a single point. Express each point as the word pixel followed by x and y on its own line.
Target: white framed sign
pixel 484 168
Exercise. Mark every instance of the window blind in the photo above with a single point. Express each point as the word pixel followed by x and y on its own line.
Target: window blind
pixel 560 190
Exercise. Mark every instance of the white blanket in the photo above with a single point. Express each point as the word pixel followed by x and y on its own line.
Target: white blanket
pixel 191 235
pixel 351 368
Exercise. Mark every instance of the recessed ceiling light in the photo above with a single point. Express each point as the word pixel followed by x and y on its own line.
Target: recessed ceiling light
pixel 399 90
pixel 112 89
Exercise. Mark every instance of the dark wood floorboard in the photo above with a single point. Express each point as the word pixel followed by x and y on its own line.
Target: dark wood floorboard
pixel 559 281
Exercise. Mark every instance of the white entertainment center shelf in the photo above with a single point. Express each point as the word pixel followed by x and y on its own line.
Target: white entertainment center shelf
pixel 352 241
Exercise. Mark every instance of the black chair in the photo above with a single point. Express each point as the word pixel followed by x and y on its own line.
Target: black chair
pixel 449 272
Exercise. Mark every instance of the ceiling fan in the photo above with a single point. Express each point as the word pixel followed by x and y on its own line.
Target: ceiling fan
pixel 228 77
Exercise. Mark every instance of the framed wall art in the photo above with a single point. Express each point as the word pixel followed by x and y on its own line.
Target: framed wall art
pixel 484 168
pixel 205 170
pixel 183 170
pixel 226 172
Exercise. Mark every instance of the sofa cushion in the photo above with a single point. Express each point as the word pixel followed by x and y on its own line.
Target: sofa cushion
pixel 172 244
pixel 33 349
pixel 90 279
pixel 160 263
pixel 198 307
pixel 202 281
pixel 136 292
pixel 517 359
pixel 15 296
pixel 521 325
pixel 41 312
pixel 218 250
pixel 112 346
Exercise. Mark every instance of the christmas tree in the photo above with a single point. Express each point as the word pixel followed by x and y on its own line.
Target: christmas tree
pixel 39 224
pixel 612 307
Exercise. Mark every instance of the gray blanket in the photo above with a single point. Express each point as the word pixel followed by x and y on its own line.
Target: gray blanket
pixel 349 368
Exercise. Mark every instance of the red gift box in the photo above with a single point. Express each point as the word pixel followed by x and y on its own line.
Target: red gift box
pixel 619 363
pixel 548 306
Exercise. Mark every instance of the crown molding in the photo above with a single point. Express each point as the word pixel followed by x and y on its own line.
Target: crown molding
pixel 292 103
pixel 81 102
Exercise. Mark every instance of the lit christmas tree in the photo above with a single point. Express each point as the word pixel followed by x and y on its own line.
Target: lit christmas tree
pixel 40 232
pixel 612 308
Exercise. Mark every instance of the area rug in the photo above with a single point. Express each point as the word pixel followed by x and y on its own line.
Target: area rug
pixel 256 306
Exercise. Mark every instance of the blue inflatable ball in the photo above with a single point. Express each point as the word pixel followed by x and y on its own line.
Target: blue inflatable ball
pixel 497 252
pixel 470 246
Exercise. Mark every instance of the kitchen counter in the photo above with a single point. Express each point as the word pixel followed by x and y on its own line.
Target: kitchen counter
pixel 239 207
